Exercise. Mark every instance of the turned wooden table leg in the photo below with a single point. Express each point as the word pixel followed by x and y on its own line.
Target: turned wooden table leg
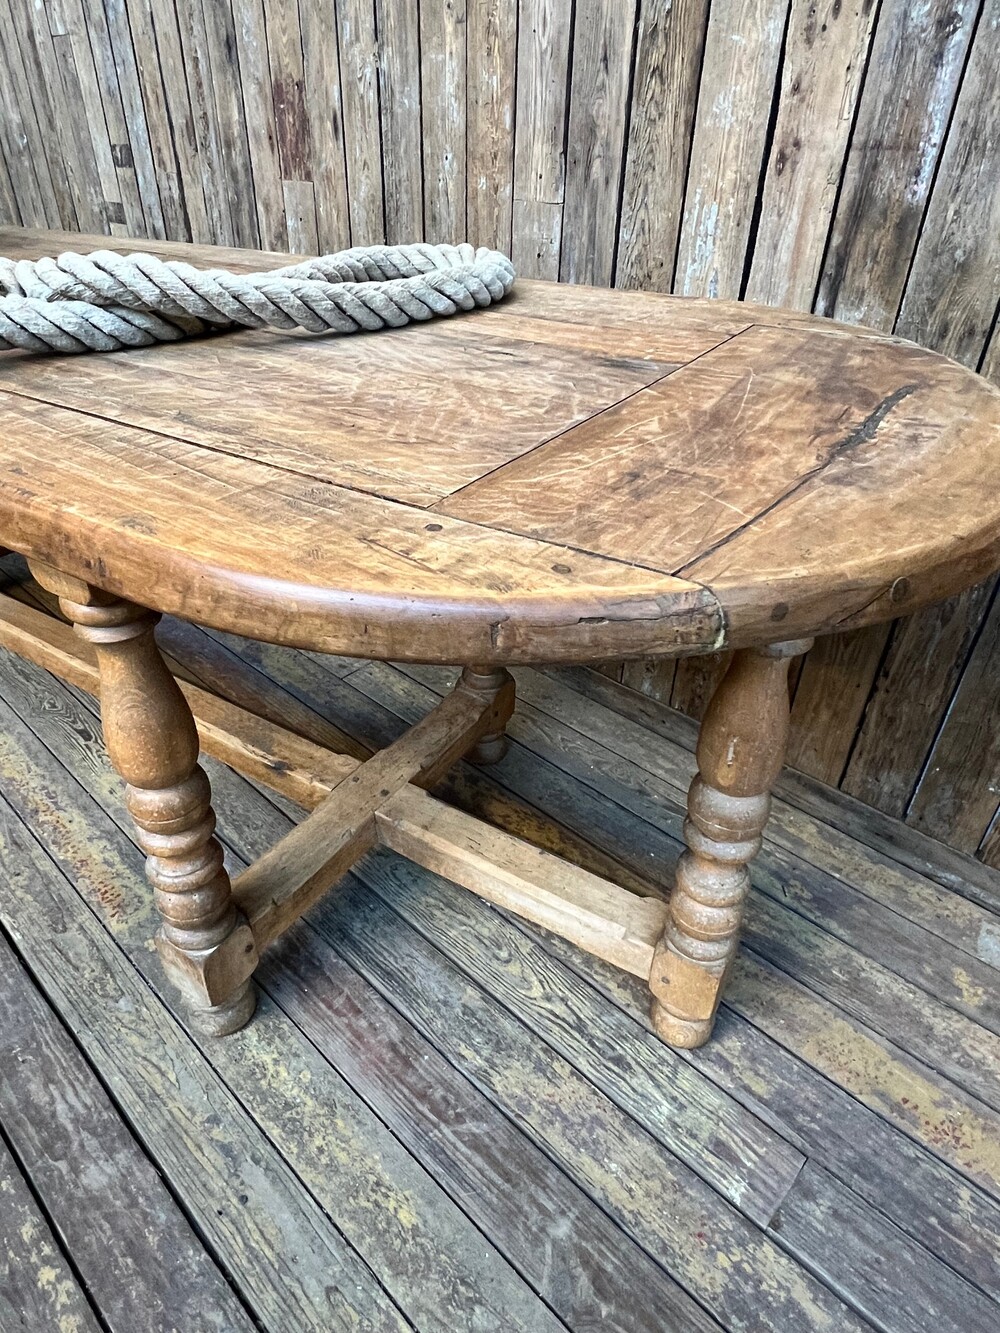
pixel 740 752
pixel 488 682
pixel 205 943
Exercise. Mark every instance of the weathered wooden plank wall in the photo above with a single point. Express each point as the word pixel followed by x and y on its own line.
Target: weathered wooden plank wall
pixel 843 157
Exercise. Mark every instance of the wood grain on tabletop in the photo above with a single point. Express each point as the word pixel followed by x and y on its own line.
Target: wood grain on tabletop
pixel 590 495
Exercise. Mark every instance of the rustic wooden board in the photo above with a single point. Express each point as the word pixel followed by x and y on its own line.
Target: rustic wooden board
pixel 543 45
pixel 145 1061
pixel 492 36
pixel 822 69
pixel 39 1288
pixel 399 100
pixel 906 1287
pixel 742 50
pixel 878 1161
pixel 951 293
pixel 954 800
pixel 669 48
pixel 603 39
pixel 469 949
pixel 554 1106
pixel 443 80
pixel 922 666
pixel 357 48
pixel 474 1150
pixel 132 1247
pixel 890 170
pixel 830 697
pixel 391 1212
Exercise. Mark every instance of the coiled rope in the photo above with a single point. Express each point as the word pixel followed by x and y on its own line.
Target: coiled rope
pixel 103 302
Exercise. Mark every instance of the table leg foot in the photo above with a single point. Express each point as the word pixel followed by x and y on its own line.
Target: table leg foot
pixel 205 942
pixel 740 752
pixel 685 1033
pixel 489 749
pixel 219 1020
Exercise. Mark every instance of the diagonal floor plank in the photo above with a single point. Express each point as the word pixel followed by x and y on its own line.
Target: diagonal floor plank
pixel 472 1116
pixel 37 1287
pixel 135 1251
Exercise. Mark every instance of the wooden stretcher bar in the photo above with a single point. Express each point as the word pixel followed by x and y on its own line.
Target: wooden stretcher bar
pixel 357 805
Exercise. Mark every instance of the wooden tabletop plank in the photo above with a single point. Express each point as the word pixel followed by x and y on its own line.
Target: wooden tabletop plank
pixel 355 574
pixel 717 444
pixel 756 469
pixel 412 414
pixel 610 474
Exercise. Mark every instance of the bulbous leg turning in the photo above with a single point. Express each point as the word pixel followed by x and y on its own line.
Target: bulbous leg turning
pixel 740 751
pixel 205 943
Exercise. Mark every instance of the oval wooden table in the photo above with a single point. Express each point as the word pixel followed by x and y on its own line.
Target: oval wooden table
pixel 572 476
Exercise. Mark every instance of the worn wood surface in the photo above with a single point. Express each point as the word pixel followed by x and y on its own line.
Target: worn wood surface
pixel 551 544
pixel 460 1120
pixel 841 158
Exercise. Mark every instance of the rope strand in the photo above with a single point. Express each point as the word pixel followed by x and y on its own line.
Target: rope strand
pixel 103 302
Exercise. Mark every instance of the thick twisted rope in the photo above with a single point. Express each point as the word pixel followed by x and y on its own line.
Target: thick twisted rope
pixel 103 302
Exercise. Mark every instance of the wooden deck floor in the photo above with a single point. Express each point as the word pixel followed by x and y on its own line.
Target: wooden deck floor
pixel 444 1120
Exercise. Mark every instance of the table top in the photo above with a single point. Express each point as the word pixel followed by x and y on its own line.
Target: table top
pixel 572 475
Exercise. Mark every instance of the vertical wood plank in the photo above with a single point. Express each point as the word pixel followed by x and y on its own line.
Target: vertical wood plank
pixel 132 21
pixel 321 72
pixel 442 116
pixel 109 129
pixel 918 678
pixel 959 793
pixel 80 92
pixel 665 93
pixel 602 55
pixel 119 38
pixel 160 41
pixel 362 131
pixel 300 217
pixel 21 141
pixel 229 128
pixel 259 98
pixel 285 59
pixel 951 295
pixel 27 101
pixel 696 680
pixel 653 678
pixel 206 145
pixel 734 103
pixel 399 85
pixel 492 44
pixel 833 686
pixel 48 67
pixel 825 52
pixel 539 159
pixel 9 211
pixel 894 152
